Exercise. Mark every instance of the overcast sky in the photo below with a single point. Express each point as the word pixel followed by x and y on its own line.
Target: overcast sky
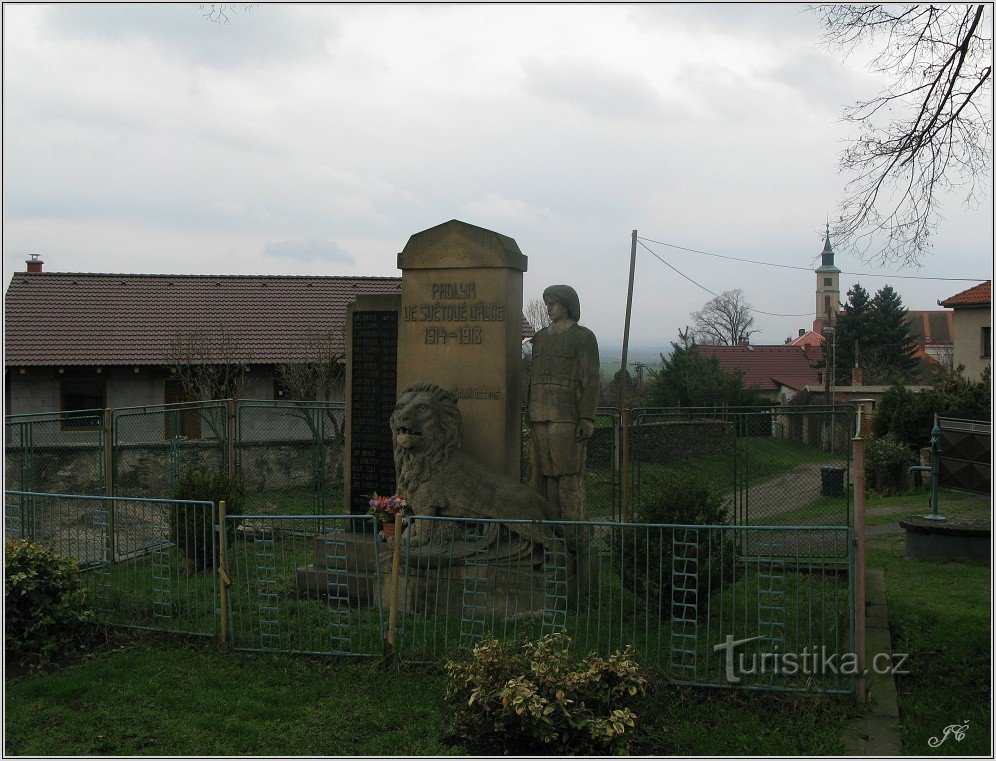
pixel 316 139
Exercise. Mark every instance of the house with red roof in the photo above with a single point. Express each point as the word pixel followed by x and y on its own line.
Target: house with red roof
pixel 84 341
pixel 972 327
pixel 776 372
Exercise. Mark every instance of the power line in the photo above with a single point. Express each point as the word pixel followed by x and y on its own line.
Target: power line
pixel 810 269
pixel 758 311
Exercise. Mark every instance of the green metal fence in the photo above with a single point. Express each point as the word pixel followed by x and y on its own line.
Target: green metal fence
pixel 149 562
pixel 782 465
pixel 774 465
pixel 55 452
pixel 674 592
pixel 288 454
pixel 152 445
pixel 305 584
pixel 324 584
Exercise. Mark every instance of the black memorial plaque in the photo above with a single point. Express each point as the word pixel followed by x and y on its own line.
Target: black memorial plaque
pixel 374 382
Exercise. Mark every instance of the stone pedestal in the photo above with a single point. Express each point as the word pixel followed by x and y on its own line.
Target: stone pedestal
pixel 460 327
pixel 344 557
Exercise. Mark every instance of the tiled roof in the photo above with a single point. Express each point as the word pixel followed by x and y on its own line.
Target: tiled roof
pixel 809 338
pixel 768 367
pixel 977 295
pixel 64 318
pixel 932 327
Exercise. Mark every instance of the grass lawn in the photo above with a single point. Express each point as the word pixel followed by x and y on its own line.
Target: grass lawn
pixel 939 614
pixel 150 696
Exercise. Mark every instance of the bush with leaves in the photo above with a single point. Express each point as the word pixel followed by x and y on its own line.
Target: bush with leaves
pixel 535 698
pixel 645 559
pixel 45 603
pixel 192 526
pixel 910 416
pixel 887 464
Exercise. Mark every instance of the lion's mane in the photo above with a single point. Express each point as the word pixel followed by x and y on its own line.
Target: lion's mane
pixel 413 467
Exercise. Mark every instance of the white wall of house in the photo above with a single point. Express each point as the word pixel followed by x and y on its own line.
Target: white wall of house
pixel 39 390
pixel 968 344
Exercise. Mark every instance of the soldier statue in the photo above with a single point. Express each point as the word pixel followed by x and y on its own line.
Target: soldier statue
pixel 562 399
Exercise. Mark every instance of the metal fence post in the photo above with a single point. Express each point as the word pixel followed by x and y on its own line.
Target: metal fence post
pixel 392 615
pixel 223 580
pixel 858 449
pixel 627 495
pixel 230 436
pixel 108 457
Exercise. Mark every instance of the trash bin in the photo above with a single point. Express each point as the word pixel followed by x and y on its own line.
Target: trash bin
pixel 831 481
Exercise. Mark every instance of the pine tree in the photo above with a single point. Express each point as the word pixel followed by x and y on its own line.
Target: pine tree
pixel 853 325
pixel 689 379
pixel 892 354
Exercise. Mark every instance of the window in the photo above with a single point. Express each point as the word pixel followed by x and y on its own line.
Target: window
pixel 828 281
pixel 79 395
pixel 986 341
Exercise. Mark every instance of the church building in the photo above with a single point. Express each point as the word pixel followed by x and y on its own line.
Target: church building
pixel 932 330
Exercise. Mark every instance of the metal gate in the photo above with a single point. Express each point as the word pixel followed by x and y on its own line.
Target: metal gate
pixel 965 448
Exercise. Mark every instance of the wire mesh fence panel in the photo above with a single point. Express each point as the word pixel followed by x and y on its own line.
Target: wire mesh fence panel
pixel 154 445
pixel 681 595
pixel 290 456
pixel 57 452
pixel 779 465
pixel 69 525
pixel 306 584
pixel 149 562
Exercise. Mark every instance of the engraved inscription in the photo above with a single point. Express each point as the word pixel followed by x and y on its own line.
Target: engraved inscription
pixel 478 393
pixel 374 382
pixel 457 336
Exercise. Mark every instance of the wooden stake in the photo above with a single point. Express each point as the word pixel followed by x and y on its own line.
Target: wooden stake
pixel 223 580
pixel 858 455
pixel 392 615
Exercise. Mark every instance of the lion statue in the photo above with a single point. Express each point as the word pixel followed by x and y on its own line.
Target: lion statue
pixel 438 478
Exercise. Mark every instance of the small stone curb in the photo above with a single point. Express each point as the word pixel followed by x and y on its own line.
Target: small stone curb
pixel 876 731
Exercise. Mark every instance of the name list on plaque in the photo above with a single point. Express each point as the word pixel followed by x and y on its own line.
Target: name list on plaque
pixel 373 380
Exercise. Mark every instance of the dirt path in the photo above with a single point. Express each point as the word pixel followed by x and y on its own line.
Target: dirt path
pixel 793 489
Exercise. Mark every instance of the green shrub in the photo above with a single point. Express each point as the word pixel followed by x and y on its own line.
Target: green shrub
pixel 45 603
pixel 192 526
pixel 887 463
pixel 911 416
pixel 533 697
pixel 646 559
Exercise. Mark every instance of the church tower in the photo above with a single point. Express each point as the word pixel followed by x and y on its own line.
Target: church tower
pixel 827 288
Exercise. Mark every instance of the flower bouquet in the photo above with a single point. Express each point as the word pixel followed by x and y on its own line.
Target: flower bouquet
pixel 385 508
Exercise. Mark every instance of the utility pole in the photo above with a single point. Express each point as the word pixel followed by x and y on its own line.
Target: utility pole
pixel 623 411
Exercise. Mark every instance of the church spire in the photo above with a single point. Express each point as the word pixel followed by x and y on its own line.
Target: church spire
pixel 827 249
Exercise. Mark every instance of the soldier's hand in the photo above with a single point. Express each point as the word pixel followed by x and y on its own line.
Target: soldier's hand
pixel 584 429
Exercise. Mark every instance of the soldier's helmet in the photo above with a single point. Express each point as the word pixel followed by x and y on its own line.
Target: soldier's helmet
pixel 567 297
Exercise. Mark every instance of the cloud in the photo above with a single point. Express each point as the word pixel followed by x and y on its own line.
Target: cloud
pixel 501 209
pixel 602 92
pixel 253 34
pixel 308 249
pixel 820 79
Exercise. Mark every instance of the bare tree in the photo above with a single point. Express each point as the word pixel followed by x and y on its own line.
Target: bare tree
pixel 536 314
pixel 725 320
pixel 209 364
pixel 927 132
pixel 221 13
pixel 319 378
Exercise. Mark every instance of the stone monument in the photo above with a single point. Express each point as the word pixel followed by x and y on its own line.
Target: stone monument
pixel 461 328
